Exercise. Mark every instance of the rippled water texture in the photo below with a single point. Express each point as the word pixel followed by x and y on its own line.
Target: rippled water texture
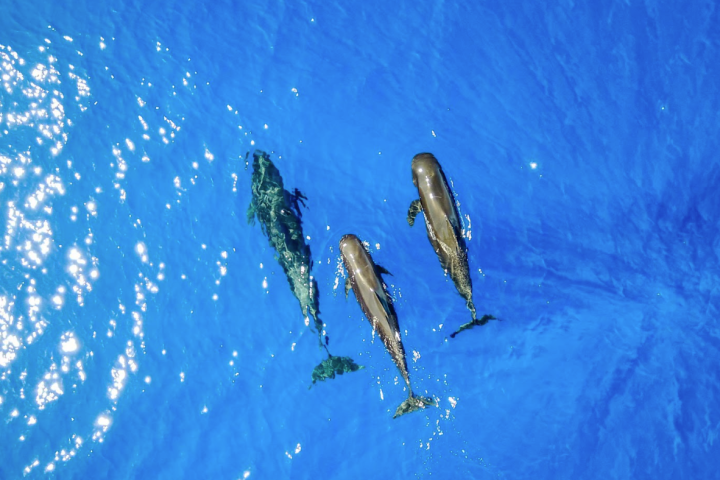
pixel 147 331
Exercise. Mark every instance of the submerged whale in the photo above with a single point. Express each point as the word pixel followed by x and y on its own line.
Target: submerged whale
pixel 279 214
pixel 364 278
pixel 444 228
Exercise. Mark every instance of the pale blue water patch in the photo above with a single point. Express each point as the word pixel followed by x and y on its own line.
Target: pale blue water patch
pixel 146 330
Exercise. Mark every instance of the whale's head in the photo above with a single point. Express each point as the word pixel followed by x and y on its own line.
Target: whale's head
pixel 352 250
pixel 261 159
pixel 349 244
pixel 424 165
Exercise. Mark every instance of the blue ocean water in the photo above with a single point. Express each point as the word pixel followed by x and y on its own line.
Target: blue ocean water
pixel 146 330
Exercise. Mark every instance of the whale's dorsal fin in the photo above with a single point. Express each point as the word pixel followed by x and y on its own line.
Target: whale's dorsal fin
pixel 457 229
pixel 383 302
pixel 415 208
pixel 382 270
pixel 453 220
pixel 297 198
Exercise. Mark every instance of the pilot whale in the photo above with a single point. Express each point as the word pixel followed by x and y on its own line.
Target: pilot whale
pixel 364 279
pixel 280 218
pixel 444 228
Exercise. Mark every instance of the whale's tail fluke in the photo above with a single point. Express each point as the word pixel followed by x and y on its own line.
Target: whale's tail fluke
pixel 482 321
pixel 471 307
pixel 413 403
pixel 332 366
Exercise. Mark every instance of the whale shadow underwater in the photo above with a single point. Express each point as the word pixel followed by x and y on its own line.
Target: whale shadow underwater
pixel 279 214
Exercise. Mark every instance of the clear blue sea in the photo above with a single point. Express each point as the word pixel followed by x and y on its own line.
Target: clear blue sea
pixel 148 332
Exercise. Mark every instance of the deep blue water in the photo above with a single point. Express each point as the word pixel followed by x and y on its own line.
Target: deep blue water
pixel 146 330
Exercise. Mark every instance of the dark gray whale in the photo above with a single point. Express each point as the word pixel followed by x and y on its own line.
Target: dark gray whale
pixel 364 278
pixel 444 228
pixel 279 214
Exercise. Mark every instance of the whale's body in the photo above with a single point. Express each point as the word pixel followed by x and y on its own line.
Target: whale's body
pixel 279 214
pixel 444 228
pixel 364 279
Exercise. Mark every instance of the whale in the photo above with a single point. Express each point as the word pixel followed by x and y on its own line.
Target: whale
pixel 364 278
pixel 279 214
pixel 444 228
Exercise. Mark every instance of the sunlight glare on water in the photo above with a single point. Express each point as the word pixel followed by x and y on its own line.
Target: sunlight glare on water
pixel 148 328
pixel 34 178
